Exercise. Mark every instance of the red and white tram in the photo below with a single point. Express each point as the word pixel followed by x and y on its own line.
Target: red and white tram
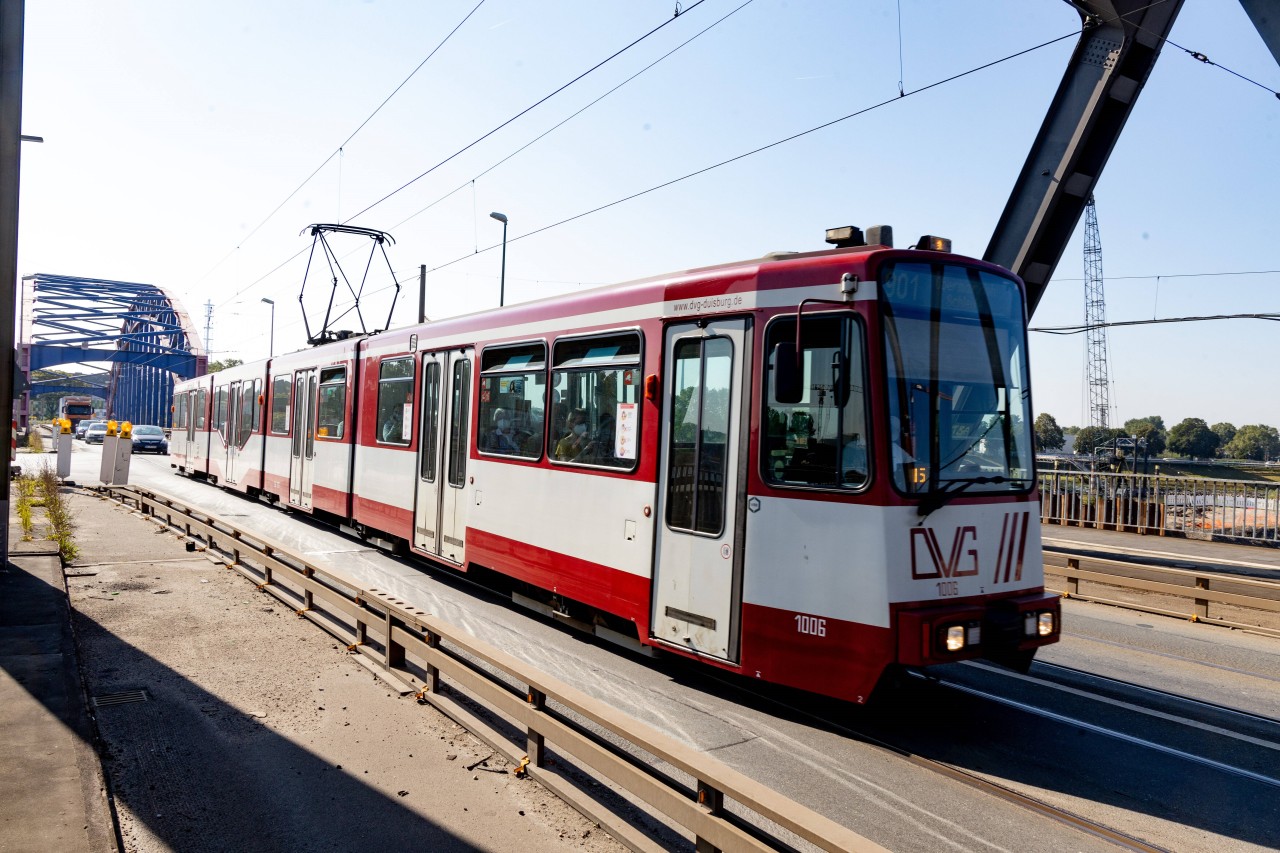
pixel 805 468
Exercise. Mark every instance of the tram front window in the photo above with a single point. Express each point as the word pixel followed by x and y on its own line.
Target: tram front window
pixel 959 400
pixel 820 438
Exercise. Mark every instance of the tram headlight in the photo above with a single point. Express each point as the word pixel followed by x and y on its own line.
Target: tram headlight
pixel 954 638
pixel 1045 623
pixel 1039 624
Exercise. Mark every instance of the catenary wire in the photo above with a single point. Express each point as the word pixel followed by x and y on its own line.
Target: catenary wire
pixel 1076 330
pixel 574 115
pixel 337 151
pixel 684 177
pixel 766 147
pixel 1200 57
pixel 1178 275
pixel 742 156
pixel 680 13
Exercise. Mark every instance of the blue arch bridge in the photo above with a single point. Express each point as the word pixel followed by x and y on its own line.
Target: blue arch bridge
pixel 141 331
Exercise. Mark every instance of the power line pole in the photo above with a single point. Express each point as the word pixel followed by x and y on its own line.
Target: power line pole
pixel 208 326
pixel 1095 319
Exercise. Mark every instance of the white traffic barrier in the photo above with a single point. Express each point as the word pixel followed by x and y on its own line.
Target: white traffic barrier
pixel 62 440
pixel 117 451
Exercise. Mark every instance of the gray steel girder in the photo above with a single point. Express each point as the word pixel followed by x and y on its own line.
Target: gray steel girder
pixel 1119 44
pixel 1265 15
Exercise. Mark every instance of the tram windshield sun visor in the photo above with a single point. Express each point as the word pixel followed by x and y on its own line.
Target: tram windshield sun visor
pixel 959 405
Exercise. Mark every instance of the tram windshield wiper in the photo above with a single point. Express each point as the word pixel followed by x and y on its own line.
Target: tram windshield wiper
pixel 939 498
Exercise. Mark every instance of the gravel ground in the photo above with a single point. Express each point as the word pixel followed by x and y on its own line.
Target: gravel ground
pixel 259 732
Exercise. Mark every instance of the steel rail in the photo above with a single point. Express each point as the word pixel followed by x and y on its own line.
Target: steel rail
pixel 453 671
pixel 964 777
pixel 1112 733
pixel 1214 707
pixel 1262 595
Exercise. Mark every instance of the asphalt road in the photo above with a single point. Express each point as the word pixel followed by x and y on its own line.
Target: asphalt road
pixel 1178 776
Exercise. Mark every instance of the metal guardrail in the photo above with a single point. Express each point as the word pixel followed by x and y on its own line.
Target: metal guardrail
pixel 1237 510
pixel 1199 588
pixel 455 672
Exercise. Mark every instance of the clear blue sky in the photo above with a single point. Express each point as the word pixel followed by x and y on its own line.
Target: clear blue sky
pixel 174 130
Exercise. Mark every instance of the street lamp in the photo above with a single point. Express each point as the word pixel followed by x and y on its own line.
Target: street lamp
pixel 502 282
pixel 271 351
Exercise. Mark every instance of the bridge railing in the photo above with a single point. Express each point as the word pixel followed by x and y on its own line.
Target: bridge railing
pixel 1152 504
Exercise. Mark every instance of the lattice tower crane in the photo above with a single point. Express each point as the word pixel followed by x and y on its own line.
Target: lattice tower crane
pixel 1095 319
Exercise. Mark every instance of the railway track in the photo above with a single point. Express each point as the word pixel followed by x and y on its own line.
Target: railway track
pixel 829 720
pixel 1048 678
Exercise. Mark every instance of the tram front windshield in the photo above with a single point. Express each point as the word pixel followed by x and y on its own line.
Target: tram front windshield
pixel 959 404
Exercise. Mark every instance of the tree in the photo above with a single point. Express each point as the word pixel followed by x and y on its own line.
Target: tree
pixel 1192 437
pixel 1225 432
pixel 1048 433
pixel 1151 429
pixel 215 366
pixel 1091 437
pixel 1255 441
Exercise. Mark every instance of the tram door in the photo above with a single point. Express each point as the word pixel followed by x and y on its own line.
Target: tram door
pixel 231 432
pixel 442 496
pixel 697 579
pixel 187 448
pixel 192 413
pixel 302 450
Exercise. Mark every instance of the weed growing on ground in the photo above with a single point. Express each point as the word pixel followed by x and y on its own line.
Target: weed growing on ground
pixel 26 486
pixel 34 442
pixel 55 506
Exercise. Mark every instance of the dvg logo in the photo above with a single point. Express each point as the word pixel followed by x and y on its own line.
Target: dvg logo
pixel 928 561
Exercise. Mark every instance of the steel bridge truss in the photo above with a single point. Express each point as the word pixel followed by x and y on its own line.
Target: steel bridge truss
pixel 139 329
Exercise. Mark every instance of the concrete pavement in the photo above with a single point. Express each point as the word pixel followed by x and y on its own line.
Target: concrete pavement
pixel 52 790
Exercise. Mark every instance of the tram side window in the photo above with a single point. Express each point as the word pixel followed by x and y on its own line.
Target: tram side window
pixel 700 434
pixel 180 411
pixel 395 401
pixel 280 386
pixel 816 441
pixel 201 407
pixel 220 411
pixel 248 409
pixel 459 413
pixel 430 420
pixel 331 414
pixel 513 393
pixel 595 408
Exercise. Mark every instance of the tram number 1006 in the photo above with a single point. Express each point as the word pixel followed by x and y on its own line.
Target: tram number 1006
pixel 811 625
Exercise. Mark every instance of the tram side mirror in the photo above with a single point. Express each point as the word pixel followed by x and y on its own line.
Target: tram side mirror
pixel 788 376
pixel 840 379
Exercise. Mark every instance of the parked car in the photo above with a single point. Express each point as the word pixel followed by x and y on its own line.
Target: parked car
pixel 96 432
pixel 150 439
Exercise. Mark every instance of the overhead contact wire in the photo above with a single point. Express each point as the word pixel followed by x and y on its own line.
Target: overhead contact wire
pixel 294 256
pixel 574 115
pixel 338 150
pixel 770 145
pixel 679 13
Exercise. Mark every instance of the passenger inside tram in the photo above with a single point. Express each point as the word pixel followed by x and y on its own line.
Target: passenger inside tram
pixel 502 438
pixel 577 440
